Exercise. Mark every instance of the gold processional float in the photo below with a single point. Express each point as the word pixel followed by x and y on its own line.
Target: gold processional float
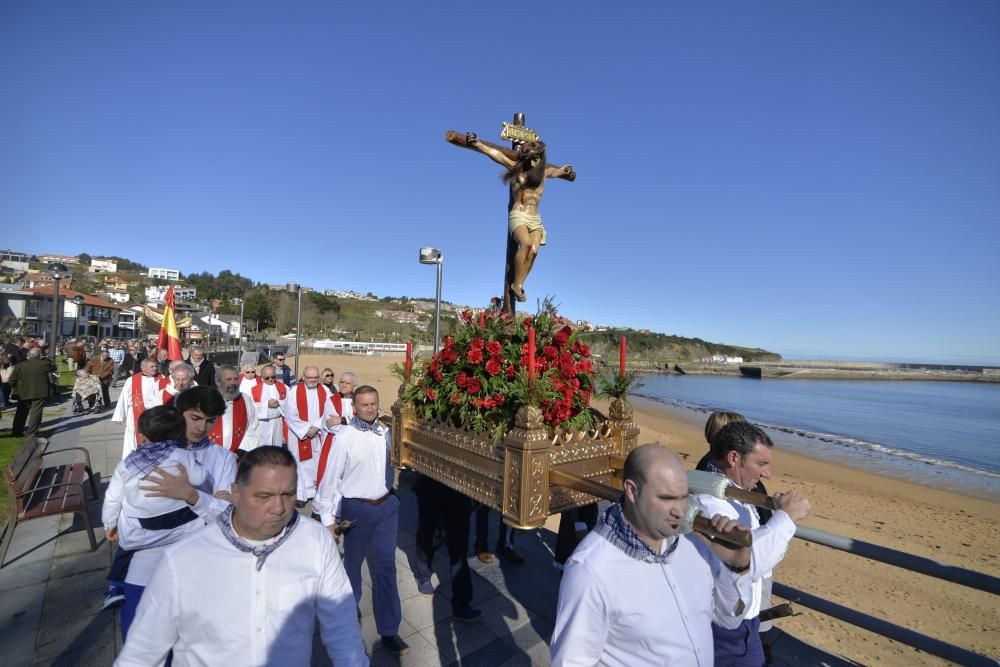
pixel 533 471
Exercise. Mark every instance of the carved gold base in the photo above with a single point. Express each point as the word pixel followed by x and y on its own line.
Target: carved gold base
pixel 514 477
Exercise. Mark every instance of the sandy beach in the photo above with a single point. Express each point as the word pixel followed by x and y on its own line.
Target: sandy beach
pixel 946 527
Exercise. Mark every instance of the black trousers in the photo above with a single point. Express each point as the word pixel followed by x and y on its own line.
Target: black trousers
pixel 436 502
pixel 568 536
pixel 29 411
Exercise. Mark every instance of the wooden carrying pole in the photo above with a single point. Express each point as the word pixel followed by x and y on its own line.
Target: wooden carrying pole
pixel 701 524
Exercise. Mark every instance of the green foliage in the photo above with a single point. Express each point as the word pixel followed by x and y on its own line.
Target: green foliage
pixel 129 265
pixel 226 286
pixel 660 347
pixel 610 384
pixel 84 258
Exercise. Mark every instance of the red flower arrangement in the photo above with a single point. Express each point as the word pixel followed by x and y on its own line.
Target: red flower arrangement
pixel 480 374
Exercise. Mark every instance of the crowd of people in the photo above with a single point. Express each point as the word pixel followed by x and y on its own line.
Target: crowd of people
pixel 264 494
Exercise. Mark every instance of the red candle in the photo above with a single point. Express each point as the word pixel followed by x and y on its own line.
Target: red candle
pixel 409 350
pixel 621 359
pixel 482 319
pixel 531 352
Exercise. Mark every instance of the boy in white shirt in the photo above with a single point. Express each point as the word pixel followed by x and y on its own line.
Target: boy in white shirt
pixel 161 445
pixel 128 508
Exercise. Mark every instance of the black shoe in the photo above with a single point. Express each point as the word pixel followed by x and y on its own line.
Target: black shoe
pixel 395 644
pixel 509 554
pixel 467 615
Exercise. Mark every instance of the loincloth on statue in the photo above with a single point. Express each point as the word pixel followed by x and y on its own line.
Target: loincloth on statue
pixel 533 222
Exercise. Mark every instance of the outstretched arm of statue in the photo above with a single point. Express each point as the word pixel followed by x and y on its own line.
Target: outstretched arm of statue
pixel 473 142
pixel 565 171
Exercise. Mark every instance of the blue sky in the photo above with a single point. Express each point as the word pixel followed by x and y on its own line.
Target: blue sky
pixel 812 178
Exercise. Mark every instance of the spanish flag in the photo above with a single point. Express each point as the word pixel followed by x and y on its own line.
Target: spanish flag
pixel 169 339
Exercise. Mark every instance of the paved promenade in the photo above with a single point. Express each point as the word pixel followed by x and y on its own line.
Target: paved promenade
pixel 52 585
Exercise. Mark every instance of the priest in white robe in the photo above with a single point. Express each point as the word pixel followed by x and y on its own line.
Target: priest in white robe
pixel 304 408
pixel 138 394
pixel 235 430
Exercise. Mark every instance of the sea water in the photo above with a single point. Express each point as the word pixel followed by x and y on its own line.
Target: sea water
pixel 942 434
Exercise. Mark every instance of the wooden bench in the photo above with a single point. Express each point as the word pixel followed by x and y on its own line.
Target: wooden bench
pixel 38 490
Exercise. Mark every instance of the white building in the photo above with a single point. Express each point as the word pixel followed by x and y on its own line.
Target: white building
pixel 116 296
pixel 164 274
pixel 101 265
pixel 157 293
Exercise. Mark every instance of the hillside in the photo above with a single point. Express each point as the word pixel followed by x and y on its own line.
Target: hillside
pixel 661 347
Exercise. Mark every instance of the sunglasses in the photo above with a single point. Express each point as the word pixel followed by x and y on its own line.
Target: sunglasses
pixel 250 372
pixel 328 375
pixel 279 358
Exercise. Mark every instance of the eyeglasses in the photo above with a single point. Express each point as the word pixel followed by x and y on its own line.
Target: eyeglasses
pixel 265 378
pixel 250 372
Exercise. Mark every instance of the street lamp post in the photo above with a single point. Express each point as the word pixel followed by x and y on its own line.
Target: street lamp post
pixel 430 255
pixel 78 300
pixel 58 271
pixel 295 287
pixel 241 327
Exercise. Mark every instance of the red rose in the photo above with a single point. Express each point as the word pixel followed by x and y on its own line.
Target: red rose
pixel 487 404
pixel 475 356
pixel 494 348
pixel 462 380
pixel 493 367
pixel 438 376
pixel 467 315
pixel 474 385
pixel 584 350
pixel 499 399
pixel 511 371
pixel 431 394
pixel 449 341
pixel 477 344
pixel 526 322
pixel 562 337
pixel 585 366
pixel 550 352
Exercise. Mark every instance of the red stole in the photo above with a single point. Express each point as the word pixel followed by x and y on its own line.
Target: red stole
pixel 167 397
pixel 258 390
pixel 302 403
pixel 138 406
pixel 239 425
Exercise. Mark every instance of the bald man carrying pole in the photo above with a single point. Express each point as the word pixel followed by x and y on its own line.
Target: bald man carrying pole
pixel 635 592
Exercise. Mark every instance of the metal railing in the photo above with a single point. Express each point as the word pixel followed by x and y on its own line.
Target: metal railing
pixel 906 561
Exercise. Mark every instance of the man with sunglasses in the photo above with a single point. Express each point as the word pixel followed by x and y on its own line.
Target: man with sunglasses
pixel 267 395
pixel 283 372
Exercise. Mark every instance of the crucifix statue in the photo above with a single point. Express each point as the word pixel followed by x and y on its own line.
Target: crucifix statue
pixel 526 174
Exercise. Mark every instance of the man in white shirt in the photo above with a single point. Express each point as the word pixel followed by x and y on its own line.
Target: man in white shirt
pixel 236 430
pixel 306 409
pixel 249 589
pixel 267 394
pixel 358 486
pixel 742 453
pixel 637 593
pixel 138 394
pixel 343 400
